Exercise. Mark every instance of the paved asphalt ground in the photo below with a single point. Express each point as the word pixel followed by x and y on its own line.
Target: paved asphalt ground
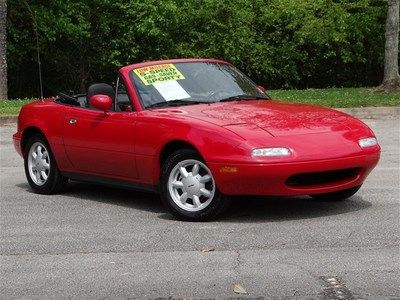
pixel 99 242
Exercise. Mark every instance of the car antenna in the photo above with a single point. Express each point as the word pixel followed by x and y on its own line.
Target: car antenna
pixel 38 56
pixel 33 16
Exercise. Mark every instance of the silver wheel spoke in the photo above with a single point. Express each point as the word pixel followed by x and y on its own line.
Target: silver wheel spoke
pixel 183 198
pixel 183 172
pixel 46 165
pixel 34 155
pixel 205 178
pixel 39 151
pixel 44 156
pixel 37 175
pixel 177 184
pixel 205 193
pixel 195 169
pixel 44 175
pixel 196 201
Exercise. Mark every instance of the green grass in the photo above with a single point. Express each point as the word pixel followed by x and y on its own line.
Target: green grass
pixel 12 107
pixel 338 97
pixel 332 97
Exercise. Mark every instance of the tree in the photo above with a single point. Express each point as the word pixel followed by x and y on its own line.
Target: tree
pixel 391 79
pixel 279 43
pixel 3 51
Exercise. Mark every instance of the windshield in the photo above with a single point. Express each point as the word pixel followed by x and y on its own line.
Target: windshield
pixel 191 83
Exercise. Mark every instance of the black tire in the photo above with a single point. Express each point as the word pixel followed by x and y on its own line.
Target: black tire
pixel 337 196
pixel 216 204
pixel 55 182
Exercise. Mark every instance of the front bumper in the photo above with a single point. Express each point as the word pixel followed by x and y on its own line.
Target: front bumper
pixel 271 179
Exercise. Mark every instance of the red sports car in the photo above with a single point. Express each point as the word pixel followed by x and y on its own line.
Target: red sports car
pixel 196 131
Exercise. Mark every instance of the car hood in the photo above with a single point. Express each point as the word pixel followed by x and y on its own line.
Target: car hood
pixel 274 117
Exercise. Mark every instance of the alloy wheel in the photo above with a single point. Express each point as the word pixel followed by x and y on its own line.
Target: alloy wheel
pixel 191 185
pixel 38 163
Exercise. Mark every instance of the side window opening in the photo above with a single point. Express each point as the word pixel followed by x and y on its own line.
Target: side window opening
pixel 120 97
pixel 122 101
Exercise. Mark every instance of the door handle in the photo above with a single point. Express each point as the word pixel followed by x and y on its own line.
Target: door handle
pixel 72 121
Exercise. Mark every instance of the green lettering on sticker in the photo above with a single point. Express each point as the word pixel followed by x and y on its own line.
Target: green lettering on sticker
pixel 152 74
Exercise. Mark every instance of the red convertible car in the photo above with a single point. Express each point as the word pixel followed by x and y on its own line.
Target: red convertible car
pixel 196 131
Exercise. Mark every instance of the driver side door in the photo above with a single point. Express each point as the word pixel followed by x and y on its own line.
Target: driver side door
pixel 100 143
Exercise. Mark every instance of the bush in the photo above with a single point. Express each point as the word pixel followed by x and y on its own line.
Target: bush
pixel 279 43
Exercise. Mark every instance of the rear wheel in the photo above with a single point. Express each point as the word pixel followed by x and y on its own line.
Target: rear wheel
pixel 41 169
pixel 337 196
pixel 188 188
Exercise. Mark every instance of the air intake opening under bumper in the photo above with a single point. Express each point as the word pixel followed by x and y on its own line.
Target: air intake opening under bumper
pixel 321 178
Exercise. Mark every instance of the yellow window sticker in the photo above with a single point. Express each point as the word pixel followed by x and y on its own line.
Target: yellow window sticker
pixel 152 74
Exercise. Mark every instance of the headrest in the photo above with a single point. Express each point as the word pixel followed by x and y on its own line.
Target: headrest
pixel 100 88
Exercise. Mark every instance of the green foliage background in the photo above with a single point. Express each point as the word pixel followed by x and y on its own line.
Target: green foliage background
pixel 279 43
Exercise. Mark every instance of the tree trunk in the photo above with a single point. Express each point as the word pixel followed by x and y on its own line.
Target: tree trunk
pixel 3 51
pixel 391 79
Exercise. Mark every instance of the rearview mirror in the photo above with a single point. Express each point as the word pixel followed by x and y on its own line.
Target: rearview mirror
pixel 101 102
pixel 261 88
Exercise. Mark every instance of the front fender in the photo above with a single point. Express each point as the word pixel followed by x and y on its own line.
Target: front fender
pixel 153 133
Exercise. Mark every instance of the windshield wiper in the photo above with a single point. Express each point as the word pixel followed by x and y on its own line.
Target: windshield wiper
pixel 244 97
pixel 175 103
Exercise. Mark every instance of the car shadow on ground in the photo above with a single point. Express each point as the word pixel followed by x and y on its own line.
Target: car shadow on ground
pixel 111 195
pixel 242 209
pixel 275 209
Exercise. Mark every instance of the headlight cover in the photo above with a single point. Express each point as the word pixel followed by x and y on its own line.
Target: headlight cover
pixel 271 152
pixel 367 142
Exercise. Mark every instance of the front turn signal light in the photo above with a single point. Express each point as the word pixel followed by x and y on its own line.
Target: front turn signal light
pixel 367 142
pixel 271 152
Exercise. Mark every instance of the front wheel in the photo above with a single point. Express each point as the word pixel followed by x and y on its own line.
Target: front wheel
pixel 337 196
pixel 40 167
pixel 188 188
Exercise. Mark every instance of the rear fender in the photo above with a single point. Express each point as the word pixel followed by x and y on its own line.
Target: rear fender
pixel 47 118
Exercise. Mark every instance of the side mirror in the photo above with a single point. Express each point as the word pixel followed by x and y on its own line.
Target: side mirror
pixel 101 102
pixel 261 88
